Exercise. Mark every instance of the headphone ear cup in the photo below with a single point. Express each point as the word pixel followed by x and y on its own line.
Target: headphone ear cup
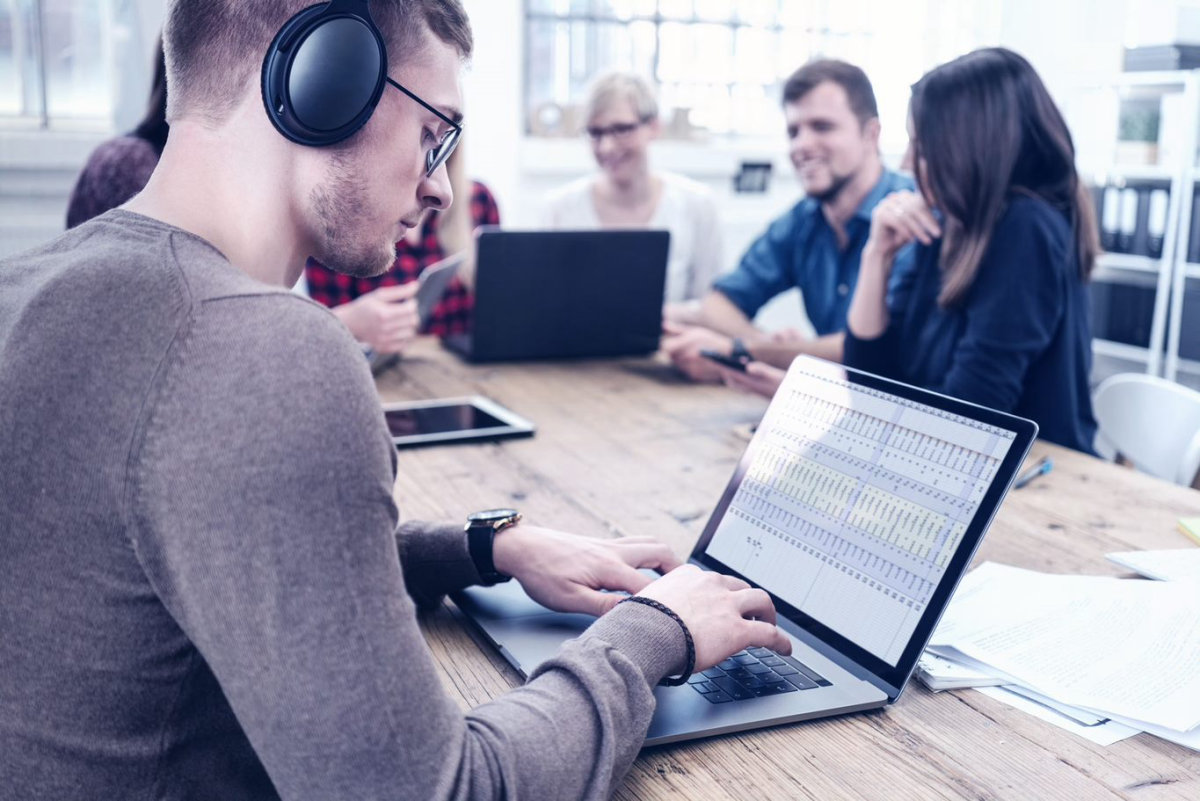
pixel 323 76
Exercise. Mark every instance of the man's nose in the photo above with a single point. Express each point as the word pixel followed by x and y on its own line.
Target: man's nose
pixel 435 190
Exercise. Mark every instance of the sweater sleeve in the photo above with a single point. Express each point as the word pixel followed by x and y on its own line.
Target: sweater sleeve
pixel 261 511
pixel 435 560
pixel 1013 308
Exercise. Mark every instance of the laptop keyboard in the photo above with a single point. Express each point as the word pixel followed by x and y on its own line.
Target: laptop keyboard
pixel 753 673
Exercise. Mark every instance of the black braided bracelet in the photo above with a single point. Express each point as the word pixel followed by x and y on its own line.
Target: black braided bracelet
pixel 690 667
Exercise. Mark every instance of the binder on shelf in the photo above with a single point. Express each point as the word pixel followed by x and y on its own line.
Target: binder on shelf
pixel 1189 335
pixel 1127 227
pixel 1156 222
pixel 1193 251
pixel 1110 218
pixel 1123 311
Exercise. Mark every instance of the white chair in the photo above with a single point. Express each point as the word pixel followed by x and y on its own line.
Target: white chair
pixel 1153 423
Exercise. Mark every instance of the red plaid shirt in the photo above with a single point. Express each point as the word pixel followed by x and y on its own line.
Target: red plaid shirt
pixel 452 315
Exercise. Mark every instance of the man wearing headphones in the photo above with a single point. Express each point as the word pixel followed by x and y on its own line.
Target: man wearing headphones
pixel 200 595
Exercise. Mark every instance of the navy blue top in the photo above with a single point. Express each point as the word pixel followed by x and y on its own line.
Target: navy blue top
pixel 800 249
pixel 1018 341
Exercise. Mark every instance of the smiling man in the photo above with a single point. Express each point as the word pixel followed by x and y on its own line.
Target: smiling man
pixel 833 143
pixel 204 591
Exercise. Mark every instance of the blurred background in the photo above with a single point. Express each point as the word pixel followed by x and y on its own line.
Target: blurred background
pixel 74 72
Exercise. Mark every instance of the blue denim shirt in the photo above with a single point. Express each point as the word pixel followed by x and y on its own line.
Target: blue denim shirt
pixel 800 250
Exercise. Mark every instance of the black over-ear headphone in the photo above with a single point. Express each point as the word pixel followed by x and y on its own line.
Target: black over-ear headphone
pixel 324 73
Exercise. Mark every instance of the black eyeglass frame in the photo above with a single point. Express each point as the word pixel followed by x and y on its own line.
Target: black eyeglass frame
pixel 618 130
pixel 436 156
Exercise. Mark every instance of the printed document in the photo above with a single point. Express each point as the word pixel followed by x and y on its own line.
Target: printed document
pixel 1128 648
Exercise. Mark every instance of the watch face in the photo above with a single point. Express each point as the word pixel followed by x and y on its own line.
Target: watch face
pixel 491 514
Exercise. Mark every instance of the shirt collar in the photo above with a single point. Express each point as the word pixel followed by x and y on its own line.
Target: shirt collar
pixel 886 184
pixel 883 187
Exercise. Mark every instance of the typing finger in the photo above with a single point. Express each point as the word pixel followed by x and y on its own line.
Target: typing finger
pixel 586 600
pixel 753 603
pixel 733 583
pixel 624 578
pixel 652 554
pixel 767 635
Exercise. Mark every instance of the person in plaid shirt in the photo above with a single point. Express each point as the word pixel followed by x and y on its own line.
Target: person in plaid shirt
pixel 381 311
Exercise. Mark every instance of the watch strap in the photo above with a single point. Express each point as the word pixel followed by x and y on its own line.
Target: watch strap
pixel 481 535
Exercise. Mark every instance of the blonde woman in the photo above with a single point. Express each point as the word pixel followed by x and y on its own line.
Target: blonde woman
pixel 622 120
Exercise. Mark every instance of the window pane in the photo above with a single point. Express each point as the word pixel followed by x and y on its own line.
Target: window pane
pixel 675 9
pixel 560 6
pixel 802 14
pixel 715 10
pixel 762 13
pixel 547 77
pixel 720 64
pixel 713 110
pixel 753 62
pixel 78 78
pixel 624 9
pixel 20 93
pixel 795 47
pixel 756 110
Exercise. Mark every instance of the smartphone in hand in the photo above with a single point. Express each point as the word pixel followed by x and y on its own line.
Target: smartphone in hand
pixel 725 360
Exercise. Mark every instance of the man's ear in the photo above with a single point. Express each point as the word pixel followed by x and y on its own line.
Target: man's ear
pixel 871 130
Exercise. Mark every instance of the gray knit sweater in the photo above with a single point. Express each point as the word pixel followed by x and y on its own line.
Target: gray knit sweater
pixel 199 590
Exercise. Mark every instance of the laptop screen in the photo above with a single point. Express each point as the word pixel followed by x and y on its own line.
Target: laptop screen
pixel 854 500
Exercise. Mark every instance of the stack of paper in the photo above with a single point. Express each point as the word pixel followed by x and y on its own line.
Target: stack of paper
pixel 1175 565
pixel 1090 648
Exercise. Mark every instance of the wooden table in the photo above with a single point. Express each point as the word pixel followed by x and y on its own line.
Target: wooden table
pixel 626 447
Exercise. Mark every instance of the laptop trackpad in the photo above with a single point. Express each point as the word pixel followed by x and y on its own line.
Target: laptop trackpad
pixel 526 631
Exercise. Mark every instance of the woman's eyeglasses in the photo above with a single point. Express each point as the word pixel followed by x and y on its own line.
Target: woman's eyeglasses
pixel 618 130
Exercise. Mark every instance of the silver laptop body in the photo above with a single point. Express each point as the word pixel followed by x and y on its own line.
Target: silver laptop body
pixel 858 506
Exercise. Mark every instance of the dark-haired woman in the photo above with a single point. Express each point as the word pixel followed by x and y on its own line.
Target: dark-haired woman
pixel 119 168
pixel 996 310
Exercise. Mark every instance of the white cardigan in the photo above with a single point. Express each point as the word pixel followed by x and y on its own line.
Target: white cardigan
pixel 686 209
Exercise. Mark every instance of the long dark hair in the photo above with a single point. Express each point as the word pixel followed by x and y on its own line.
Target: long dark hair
pixel 153 127
pixel 987 128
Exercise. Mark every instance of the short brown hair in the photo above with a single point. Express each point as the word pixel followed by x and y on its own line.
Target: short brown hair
pixel 213 47
pixel 827 70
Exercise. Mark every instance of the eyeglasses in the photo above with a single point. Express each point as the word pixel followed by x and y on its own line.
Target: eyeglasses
pixel 618 130
pixel 437 155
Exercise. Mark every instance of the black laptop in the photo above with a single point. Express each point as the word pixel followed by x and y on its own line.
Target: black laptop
pixel 565 294
pixel 858 506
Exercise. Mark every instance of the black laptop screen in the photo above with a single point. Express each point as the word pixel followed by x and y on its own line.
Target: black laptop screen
pixel 858 506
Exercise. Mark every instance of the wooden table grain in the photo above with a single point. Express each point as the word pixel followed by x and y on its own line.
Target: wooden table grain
pixel 626 447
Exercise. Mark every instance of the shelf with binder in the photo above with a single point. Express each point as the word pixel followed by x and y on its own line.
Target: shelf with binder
pixel 1116 262
pixel 1181 339
pixel 1130 288
pixel 1120 350
pixel 1137 141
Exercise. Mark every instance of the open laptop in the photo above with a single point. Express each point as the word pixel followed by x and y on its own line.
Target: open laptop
pixel 858 506
pixel 565 294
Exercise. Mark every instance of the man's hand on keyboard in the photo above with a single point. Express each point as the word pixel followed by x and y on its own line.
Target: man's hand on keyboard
pixel 724 614
pixel 570 573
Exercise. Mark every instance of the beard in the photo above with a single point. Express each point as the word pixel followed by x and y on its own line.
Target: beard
pixel 831 192
pixel 338 205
